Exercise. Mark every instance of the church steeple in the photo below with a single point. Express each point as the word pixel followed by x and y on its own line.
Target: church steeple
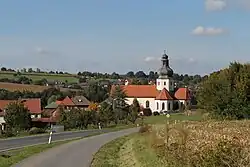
pixel 165 70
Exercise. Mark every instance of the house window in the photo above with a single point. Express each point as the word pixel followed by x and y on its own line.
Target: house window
pixel 163 106
pixel 164 83
pixel 147 104
pixel 159 83
pixel 157 106
pixel 168 106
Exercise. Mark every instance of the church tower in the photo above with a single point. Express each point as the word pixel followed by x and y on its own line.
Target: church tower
pixel 165 79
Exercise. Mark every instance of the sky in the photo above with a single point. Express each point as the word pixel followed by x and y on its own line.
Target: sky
pixel 200 36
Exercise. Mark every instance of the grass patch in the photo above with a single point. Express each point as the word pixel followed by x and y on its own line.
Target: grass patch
pixel 127 151
pixel 161 119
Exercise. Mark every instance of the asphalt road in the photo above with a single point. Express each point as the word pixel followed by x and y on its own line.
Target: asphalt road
pixel 76 154
pixel 6 144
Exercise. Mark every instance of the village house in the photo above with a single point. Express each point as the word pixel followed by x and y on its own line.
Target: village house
pixel 51 111
pixel 161 97
pixel 33 105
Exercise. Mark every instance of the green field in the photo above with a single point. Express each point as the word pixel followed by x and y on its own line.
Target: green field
pixel 70 78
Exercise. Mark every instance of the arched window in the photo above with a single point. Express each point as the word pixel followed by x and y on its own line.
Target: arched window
pixel 163 106
pixel 147 104
pixel 157 106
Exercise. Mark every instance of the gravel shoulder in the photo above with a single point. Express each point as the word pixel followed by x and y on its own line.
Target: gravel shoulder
pixel 78 153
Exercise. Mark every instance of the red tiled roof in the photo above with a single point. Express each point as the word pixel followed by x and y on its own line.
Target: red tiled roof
pixel 182 94
pixel 164 95
pixel 33 105
pixel 139 91
pixel 58 102
pixel 67 102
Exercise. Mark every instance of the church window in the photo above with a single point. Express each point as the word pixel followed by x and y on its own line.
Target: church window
pixel 163 106
pixel 157 106
pixel 164 83
pixel 147 104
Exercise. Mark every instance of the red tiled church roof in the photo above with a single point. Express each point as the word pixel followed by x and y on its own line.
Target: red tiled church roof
pixel 164 95
pixel 182 94
pixel 150 91
pixel 139 91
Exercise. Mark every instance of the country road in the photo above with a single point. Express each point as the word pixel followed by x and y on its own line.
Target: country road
pixel 6 144
pixel 76 154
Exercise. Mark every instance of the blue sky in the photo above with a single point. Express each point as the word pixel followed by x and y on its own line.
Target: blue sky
pixel 111 35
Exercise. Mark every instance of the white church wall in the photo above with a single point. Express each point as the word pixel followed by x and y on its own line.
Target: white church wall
pixel 168 105
pixel 142 101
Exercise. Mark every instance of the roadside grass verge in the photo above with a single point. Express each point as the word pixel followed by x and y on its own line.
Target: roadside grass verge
pixel 127 151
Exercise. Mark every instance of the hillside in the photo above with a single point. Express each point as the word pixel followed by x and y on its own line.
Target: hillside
pixel 70 78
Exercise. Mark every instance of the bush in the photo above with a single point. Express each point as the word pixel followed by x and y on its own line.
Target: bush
pixel 147 112
pixel 8 133
pixel 144 129
pixel 36 130
pixel 156 113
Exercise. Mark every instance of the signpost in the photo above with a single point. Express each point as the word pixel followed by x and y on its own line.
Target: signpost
pixel 50 137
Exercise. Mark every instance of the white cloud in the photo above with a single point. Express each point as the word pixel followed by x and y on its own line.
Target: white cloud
pixel 213 5
pixel 200 30
pixel 150 59
pixel 41 50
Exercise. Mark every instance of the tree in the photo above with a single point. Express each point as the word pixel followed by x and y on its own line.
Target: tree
pixel 52 98
pixel 119 97
pixel 134 110
pixel 151 75
pixel 225 94
pixel 17 116
pixel 30 70
pixel 130 74
pixel 140 74
pixel 106 113
pixel 3 69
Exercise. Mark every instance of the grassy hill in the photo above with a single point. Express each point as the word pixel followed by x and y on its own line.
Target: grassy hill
pixel 70 78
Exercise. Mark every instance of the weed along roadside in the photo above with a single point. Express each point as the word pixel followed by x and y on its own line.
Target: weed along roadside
pixel 188 144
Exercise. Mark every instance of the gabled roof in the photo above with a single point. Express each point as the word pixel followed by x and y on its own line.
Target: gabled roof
pixel 182 94
pixel 33 105
pixel 52 105
pixel 164 95
pixel 80 101
pixel 67 102
pixel 138 91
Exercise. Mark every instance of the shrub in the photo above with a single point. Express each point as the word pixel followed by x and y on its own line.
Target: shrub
pixel 36 130
pixel 8 133
pixel 144 129
pixel 147 112
pixel 156 113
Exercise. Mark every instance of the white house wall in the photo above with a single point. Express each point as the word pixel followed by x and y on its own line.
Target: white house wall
pixel 142 102
pixel 2 120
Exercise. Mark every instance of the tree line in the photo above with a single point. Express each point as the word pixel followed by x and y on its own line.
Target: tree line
pixel 225 94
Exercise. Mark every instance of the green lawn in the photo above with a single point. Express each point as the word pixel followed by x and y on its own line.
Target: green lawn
pixel 39 76
pixel 161 119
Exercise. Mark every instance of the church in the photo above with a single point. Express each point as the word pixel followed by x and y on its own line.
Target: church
pixel 162 96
